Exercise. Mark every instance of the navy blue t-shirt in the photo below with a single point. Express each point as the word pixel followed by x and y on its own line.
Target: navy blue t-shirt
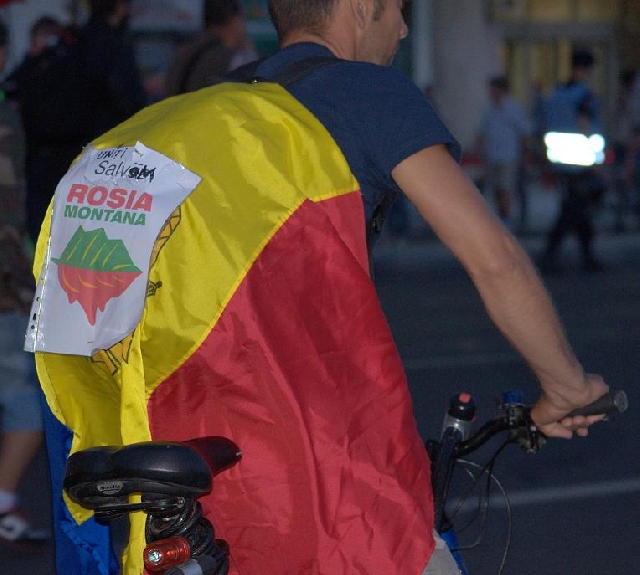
pixel 377 116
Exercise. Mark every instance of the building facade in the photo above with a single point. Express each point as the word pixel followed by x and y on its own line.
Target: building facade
pixel 459 44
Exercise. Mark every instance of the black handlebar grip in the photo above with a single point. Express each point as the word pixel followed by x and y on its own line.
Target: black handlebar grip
pixel 608 403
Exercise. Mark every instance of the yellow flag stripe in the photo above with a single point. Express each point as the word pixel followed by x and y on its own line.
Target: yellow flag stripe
pixel 260 154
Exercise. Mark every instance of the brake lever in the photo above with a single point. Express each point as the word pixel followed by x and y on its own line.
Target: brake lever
pixel 526 433
pixel 517 416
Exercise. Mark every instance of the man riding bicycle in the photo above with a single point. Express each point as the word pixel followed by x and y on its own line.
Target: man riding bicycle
pixel 295 363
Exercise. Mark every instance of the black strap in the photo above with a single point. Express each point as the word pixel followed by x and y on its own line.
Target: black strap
pixel 285 77
pixel 376 222
pixel 244 73
pixel 297 70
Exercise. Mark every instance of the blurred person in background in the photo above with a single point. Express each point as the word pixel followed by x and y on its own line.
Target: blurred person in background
pixel 632 172
pixel 46 160
pixel 44 33
pixel 222 46
pixel 21 432
pixel 503 136
pixel 110 59
pixel 74 84
pixel 573 108
pixel 621 143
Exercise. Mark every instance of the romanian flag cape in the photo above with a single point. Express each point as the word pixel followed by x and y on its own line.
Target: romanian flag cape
pixel 261 324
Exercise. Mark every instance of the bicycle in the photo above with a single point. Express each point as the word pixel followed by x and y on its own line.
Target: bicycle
pixel 457 441
pixel 170 477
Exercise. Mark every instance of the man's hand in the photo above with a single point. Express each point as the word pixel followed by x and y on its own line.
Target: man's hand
pixel 550 412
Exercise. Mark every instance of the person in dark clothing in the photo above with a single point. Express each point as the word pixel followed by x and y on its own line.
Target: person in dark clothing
pixel 110 59
pixel 221 47
pixel 85 81
pixel 573 108
pixel 45 160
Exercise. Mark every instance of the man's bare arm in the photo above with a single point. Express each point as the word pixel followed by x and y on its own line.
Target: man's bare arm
pixel 506 280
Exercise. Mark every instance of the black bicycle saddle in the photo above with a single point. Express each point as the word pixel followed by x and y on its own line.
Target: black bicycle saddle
pixel 103 475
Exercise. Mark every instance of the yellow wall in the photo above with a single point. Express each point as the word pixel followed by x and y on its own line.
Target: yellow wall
pixel 559 10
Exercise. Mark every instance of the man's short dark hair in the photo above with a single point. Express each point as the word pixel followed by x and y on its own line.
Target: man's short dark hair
pixel 309 15
pixel 220 12
pixel 582 59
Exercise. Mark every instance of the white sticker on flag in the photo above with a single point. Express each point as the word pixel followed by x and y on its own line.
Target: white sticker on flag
pixel 107 213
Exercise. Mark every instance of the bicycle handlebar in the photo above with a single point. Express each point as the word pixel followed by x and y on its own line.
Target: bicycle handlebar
pixel 516 418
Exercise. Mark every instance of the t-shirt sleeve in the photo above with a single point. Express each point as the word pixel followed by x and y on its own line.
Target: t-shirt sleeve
pixel 377 116
pixel 397 121
pixel 401 121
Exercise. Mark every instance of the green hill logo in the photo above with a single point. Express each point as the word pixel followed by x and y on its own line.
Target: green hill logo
pixel 94 269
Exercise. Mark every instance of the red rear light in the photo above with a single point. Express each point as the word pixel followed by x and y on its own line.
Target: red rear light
pixel 166 553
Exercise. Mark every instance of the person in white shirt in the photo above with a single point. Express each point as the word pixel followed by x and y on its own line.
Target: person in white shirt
pixel 503 133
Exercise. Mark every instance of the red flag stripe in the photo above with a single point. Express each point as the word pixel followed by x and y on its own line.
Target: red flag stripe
pixel 302 373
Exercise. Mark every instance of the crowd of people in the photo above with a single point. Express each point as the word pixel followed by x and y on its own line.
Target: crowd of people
pixel 508 161
pixel 511 143
pixel 416 158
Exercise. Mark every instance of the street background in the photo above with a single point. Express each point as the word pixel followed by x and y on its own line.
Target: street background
pixel 575 505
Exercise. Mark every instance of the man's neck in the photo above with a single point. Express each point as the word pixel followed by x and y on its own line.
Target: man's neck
pixel 337 48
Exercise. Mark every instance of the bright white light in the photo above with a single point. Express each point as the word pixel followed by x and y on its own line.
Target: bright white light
pixel 574 149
